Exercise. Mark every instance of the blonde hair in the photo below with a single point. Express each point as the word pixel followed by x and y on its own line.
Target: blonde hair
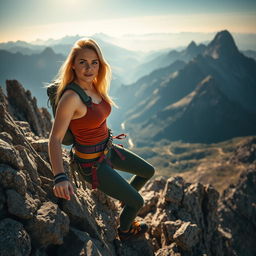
pixel 66 74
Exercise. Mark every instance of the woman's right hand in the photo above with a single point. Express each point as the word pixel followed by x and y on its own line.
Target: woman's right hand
pixel 63 189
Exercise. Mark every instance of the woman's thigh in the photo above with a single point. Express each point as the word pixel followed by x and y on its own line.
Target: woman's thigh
pixel 112 184
pixel 132 163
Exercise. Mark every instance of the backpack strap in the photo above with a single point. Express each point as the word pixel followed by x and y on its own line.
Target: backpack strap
pixel 87 100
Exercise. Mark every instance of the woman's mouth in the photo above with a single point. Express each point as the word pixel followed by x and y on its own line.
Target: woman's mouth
pixel 88 75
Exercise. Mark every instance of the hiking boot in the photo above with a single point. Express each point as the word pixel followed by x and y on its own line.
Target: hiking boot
pixel 137 228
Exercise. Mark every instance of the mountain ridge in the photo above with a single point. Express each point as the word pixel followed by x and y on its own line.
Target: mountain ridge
pixel 236 80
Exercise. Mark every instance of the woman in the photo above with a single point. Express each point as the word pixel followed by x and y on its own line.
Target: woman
pixel 86 67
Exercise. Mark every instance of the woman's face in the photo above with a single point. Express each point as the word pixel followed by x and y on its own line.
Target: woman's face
pixel 86 66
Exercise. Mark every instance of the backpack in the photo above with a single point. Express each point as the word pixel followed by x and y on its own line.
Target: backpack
pixel 51 92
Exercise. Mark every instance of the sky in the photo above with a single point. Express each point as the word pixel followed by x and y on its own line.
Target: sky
pixel 29 20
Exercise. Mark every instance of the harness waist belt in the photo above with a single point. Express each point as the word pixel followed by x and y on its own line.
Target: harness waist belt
pixel 88 152
pixel 86 156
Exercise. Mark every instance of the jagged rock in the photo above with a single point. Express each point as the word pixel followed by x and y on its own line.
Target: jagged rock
pixel 22 207
pixel 171 250
pixel 24 108
pixel 187 236
pixel 48 226
pixel 14 239
pixel 4 136
pixel 135 247
pixel 157 184
pixel 237 213
pixel 10 178
pixel 246 152
pixel 189 214
pixel 79 212
pixel 80 243
pixel 25 128
pixel 29 163
pixel 8 125
pixel 150 201
pixel 173 191
pixel 151 193
pixel 40 145
pixel 9 155
pixel 169 228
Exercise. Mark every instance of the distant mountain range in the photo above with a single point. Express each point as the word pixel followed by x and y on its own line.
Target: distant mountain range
pixel 166 59
pixel 208 99
pixel 202 93
pixel 33 65
pixel 31 70
pixel 39 65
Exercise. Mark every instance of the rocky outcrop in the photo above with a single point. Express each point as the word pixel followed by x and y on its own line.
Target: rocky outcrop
pixel 23 107
pixel 237 212
pixel 28 203
pixel 182 216
pixel 245 152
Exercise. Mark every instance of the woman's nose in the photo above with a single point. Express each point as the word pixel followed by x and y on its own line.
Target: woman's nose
pixel 88 66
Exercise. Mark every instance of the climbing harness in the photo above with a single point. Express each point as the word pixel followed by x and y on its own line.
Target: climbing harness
pixel 102 151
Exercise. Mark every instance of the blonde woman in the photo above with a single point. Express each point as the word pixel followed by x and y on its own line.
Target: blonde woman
pixel 86 67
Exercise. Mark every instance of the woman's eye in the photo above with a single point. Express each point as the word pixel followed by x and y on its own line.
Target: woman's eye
pixel 95 63
pixel 81 62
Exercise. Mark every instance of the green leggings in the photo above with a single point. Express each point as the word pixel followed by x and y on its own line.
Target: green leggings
pixel 114 185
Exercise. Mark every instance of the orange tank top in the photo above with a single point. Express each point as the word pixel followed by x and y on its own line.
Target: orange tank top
pixel 92 128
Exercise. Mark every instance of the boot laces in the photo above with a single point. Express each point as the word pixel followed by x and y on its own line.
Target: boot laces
pixel 135 227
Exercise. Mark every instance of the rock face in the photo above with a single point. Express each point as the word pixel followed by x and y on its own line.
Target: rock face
pixel 44 224
pixel 237 213
pixel 182 216
pixel 24 108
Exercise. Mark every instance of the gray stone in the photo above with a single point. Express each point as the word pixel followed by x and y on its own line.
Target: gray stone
pixel 23 207
pixel 14 239
pixel 48 226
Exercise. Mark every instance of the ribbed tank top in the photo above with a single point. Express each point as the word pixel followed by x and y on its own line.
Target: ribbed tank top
pixel 92 128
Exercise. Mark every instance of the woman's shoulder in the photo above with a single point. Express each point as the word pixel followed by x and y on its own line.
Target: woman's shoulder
pixel 69 95
pixel 69 98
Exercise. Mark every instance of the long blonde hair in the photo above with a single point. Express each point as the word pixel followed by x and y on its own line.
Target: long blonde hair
pixel 66 74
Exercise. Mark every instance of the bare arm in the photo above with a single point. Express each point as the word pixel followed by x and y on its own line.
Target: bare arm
pixel 66 108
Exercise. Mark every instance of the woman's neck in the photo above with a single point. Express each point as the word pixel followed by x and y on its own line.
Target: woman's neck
pixel 85 86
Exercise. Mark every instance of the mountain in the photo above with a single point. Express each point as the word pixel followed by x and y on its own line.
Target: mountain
pixel 21 47
pixel 232 83
pixel 250 53
pixel 32 56
pixel 33 70
pixel 222 46
pixel 166 59
pixel 199 117
pixel 136 96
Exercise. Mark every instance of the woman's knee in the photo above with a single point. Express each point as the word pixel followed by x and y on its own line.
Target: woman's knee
pixel 137 202
pixel 150 171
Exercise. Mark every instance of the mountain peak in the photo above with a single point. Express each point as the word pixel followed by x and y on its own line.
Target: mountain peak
pixel 223 45
pixel 192 46
pixel 193 49
pixel 48 51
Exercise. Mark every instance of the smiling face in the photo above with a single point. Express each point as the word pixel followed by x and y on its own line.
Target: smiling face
pixel 86 66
